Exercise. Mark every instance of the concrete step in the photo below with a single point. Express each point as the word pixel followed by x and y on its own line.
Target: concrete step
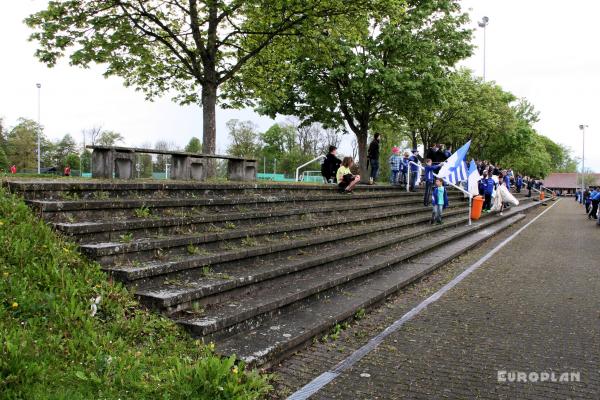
pixel 110 209
pixel 177 294
pixel 113 253
pixel 142 274
pixel 283 332
pixel 111 229
pixel 240 310
pixel 97 189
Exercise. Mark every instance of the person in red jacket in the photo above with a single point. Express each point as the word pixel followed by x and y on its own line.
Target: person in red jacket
pixel 67 171
pixel 13 169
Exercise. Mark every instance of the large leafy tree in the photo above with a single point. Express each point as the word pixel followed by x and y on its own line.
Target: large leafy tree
pixel 186 47
pixel 21 144
pixel 359 72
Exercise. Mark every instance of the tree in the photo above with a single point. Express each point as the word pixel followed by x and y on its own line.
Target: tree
pixel 86 161
pixel 21 146
pixel 161 46
pixel 62 149
pixel 93 133
pixel 109 138
pixel 161 159
pixel 4 163
pixel 361 71
pixel 244 138
pixel 194 146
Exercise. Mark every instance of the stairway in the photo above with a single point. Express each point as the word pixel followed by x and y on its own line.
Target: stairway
pixel 259 269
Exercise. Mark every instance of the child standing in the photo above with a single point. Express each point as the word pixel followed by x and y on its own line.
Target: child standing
pixel 395 165
pixel 439 199
pixel 488 190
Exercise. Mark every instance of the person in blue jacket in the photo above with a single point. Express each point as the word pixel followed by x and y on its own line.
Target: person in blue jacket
pixel 519 183
pixel 595 199
pixel 507 180
pixel 488 190
pixel 429 178
pixel 439 200
pixel 414 169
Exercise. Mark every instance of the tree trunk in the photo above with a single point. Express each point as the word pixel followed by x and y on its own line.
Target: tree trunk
pixel 361 139
pixel 209 124
pixel 413 137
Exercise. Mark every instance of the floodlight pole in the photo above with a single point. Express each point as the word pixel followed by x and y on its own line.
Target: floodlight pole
pixel 39 152
pixel 582 127
pixel 483 24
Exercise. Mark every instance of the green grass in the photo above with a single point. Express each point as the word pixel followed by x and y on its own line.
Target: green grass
pixel 51 347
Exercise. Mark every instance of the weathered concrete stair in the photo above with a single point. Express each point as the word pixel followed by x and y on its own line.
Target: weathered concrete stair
pixel 258 268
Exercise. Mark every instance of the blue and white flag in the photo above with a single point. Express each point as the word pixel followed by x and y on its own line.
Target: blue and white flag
pixel 455 168
pixel 473 179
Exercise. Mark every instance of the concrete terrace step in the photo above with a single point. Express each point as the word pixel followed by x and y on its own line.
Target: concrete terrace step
pixel 276 293
pixel 92 210
pixel 144 271
pixel 176 294
pixel 85 189
pixel 111 229
pixel 244 240
pixel 294 324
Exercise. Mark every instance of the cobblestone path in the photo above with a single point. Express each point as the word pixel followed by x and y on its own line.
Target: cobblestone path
pixel 533 309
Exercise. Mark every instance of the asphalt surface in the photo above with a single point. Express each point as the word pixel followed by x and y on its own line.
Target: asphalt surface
pixel 532 313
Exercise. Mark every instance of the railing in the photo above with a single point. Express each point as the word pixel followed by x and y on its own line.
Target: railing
pixel 470 195
pixel 305 164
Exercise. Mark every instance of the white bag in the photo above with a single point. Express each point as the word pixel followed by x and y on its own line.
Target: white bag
pixel 507 196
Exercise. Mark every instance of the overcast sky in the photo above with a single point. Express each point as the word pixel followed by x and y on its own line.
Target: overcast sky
pixel 545 51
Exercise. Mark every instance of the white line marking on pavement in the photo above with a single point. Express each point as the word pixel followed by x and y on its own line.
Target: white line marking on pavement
pixel 320 381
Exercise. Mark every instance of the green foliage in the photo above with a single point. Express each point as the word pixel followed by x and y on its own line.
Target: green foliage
pixel 21 144
pixel 361 71
pixel 51 346
pixel 4 163
pixel 244 138
pixel 194 146
pixel 142 212
pixel 109 138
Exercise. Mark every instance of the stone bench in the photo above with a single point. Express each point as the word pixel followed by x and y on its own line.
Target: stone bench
pixel 118 162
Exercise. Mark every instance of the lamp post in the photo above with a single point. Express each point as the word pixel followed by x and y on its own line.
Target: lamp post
pixel 39 153
pixel 483 24
pixel 582 127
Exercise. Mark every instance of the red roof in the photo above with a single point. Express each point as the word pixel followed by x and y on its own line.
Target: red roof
pixel 566 180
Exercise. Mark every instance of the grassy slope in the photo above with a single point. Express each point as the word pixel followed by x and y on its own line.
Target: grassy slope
pixel 52 348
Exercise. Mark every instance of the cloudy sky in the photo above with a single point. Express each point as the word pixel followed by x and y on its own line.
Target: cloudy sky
pixel 543 50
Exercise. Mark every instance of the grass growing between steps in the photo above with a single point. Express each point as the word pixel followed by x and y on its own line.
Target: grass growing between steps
pixel 55 344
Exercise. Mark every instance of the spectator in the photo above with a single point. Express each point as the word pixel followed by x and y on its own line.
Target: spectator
pixel 519 183
pixel 439 200
pixel 395 165
pixel 594 199
pixel 429 181
pixel 13 169
pixel 488 191
pixel 447 153
pixel 346 180
pixel 404 168
pixel 330 165
pixel 373 156
pixel 414 169
pixel 67 171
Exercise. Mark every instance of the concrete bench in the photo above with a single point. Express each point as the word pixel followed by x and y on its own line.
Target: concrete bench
pixel 118 162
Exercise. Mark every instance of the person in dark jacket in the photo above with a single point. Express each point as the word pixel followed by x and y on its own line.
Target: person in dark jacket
pixel 519 183
pixel 488 190
pixel 595 200
pixel 414 169
pixel 529 186
pixel 429 180
pixel 373 156
pixel 330 165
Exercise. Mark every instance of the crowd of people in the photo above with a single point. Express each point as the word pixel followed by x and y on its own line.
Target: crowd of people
pixel 590 198
pixel 495 184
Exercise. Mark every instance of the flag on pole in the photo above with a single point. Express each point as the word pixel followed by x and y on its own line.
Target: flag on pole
pixel 473 179
pixel 455 168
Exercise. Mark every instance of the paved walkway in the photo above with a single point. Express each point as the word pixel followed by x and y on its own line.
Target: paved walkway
pixel 534 308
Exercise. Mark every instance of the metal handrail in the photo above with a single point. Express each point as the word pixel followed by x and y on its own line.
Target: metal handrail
pixel 469 194
pixel 305 164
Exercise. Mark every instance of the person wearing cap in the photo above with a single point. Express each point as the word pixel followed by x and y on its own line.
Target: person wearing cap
pixel 395 165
